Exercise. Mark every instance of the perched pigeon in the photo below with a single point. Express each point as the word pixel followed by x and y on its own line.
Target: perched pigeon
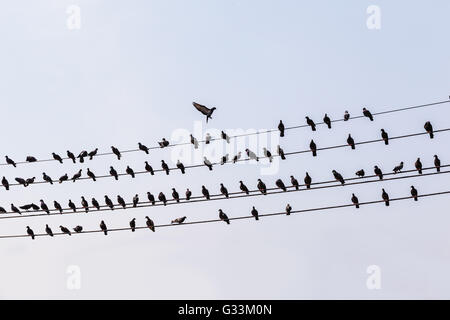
pixel 414 193
pixel 26 207
pixel 162 198
pixel 437 163
pixel 350 141
pixel 208 163
pixel 281 153
pixel 78 229
pixel 280 184
pixel 255 213
pixel 57 157
pixel 109 203
pixel 281 128
pixel 70 155
pixel 225 136
pixel 151 198
pixel 180 166
pixel 84 204
pixel 72 206
pixel 205 110
pixel 65 230
pixel 313 148
pixel 95 203
pixel 251 155
pixel 288 209
pixel 30 181
pixel 175 195
pixel 163 143
pixel 165 167
pixel 418 165
pixel 188 194
pixel 10 161
pixel 223 216
pixel 57 206
pixel 378 172
pixel 360 173
pixel 224 190
pixel 262 187
pixel 205 192
pixel 179 220
pixel 15 209
pixel 2 210
pixel 34 207
pixel 116 152
pixel 346 115
pixel 103 227
pixel 133 224
pixel 47 178
pixel 5 183
pixel 30 232
pixel 130 171
pixel 63 178
pixel 92 154
pixel 91 174
pixel 149 168
pixel 30 159
pixel 44 206
pixel 429 128
pixel 237 157
pixel 355 201
pixel 150 224
pixel 243 187
pixel 294 183
pixel 82 155
pixel 385 197
pixel 143 147
pixel 268 154
pixel 76 176
pixel 135 200
pixel 21 181
pixel 121 201
pixel 48 230
pixel 194 141
pixel 385 137
pixel 311 123
pixel 398 168
pixel 224 159
pixel 327 121
pixel 307 180
pixel 208 138
pixel 367 114
pixel 113 173
pixel 338 177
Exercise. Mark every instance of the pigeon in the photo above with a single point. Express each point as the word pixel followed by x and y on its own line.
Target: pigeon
pixel 398 168
pixel 225 136
pixel 151 198
pixel 294 183
pixel 10 161
pixel 355 201
pixel 367 114
pixel 92 154
pixel 385 137
pixel 5 183
pixel 135 201
pixel 113 173
pixel 143 147
pixel 437 164
pixel 311 123
pixel 103 227
pixel 378 172
pixel 181 166
pixel 34 207
pixel 57 157
pixel 95 203
pixel 121 201
pixel 205 192
pixel 30 159
pixel 162 198
pixel 360 173
pixel 30 181
pixel 175 195
pixel 72 206
pixel 130 171
pixel 385 197
pixel 224 159
pixel 307 180
pixel 338 177
pixel 65 230
pixel 44 206
pixel 243 187
pixel 26 207
pixel 208 138
pixel 133 224
pixel 150 224
pixel 418 165
pixel 48 230
pixel 346 115
pixel 2 210
pixel 188 194
pixel 76 176
pixel 255 213
pixel 237 157
pixel 91 174
pixel 262 187
pixel 116 152
pixel 47 178
pixel 163 143
pixel 224 190
pixel 15 209
pixel 78 229
pixel 251 155
pixel 109 203
pixel 70 155
pixel 268 154
pixel 57 206
pixel 84 204
pixel 82 155
pixel 149 168
pixel 205 110
pixel 223 216
pixel 351 142
pixel 313 148
pixel 165 167
pixel 281 153
pixel 281 128
pixel 429 128
pixel 194 141
pixel 30 232
pixel 414 193
pixel 327 121
pixel 288 209
pixel 21 181
pixel 63 178
pixel 179 220
pixel 208 163
pixel 280 184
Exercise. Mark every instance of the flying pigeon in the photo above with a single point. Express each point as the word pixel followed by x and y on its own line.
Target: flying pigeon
pixel 243 187
pixel 208 163
pixel 224 190
pixel 76 176
pixel 281 128
pixel 78 229
pixel 135 200
pixel 109 203
pixel 288 209
pixel 346 115
pixel 418 165
pixel 338 177
pixel 149 168
pixel 121 201
pixel 15 209
pixel 48 230
pixel 72 206
pixel 294 183
pixel 355 201
pixel 175 195
pixel 385 137
pixel 281 153
pixel 188 194
pixel 398 168
pixel 360 173
pixel 208 138
pixel 367 114
pixel 223 216
pixel 57 206
pixel 429 128
pixel 65 230
pixel 10 161
pixel 165 167
pixel 30 232
pixel 57 157
pixel 162 198
pixel 63 178
pixel 385 197
pixel 5 183
pixel 44 206
pixel 47 178
pixel 70 155
pixel 307 180
pixel 205 192
pixel 251 155
pixel 225 136
pixel 133 224
pixel 255 213
pixel 378 172
pixel 437 163
pixel 311 123
pixel 84 204
pixel 327 121
pixel 262 187
pixel 130 171
pixel 163 143
pixel 113 173
pixel 194 141
pixel 143 147
pixel 30 159
pixel 205 110
pixel 116 152
pixel 414 193
pixel 280 184
pixel 103 227
pixel 150 224
pixel 151 198
pixel 91 174
pixel 268 154
pixel 95 203
pixel 350 141
pixel 179 220
pixel 92 154
pixel 313 148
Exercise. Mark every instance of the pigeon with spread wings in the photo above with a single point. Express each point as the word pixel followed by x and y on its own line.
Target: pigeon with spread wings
pixel 205 110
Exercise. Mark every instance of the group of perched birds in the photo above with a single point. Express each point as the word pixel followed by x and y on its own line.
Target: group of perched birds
pixel 385 197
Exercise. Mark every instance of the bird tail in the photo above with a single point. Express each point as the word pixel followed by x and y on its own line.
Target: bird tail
pixel 106 232
pixel 420 171
pixel 353 146
pixel 371 118
pixel 314 153
pixel 431 135
pixel 416 199
pixel 329 125
pixel 313 128
pixel 386 142
pixel 387 203
pixel 308 186
pixel 256 218
pixel 132 230
pixel 227 221
pixel 438 169
pixel 357 206
pixel 282 134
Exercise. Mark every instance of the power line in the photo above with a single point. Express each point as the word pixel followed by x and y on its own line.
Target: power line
pixel 237 218
pixel 232 195
pixel 252 133
pixel 248 159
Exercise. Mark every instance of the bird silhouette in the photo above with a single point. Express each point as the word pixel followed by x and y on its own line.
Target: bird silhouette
pixel 188 194
pixel 84 204
pixel 179 220
pixel 133 224
pixel 65 230
pixel 44 206
pixel 121 201
pixel 78 229
pixel 76 176
pixel 116 152
pixel 327 121
pixel 280 184
pixel 26 207
pixel 10 161
pixel 30 181
pixel 255 213
pixel 224 159
pixel 57 206
pixel 15 209
pixel 225 136
pixel 429 128
pixel 385 137
pixel 437 163
pixel 47 178
pixel 251 155
pixel 135 200
pixel 30 159
pixel 165 167
pixel 163 143
pixel 70 155
pixel 367 114
pixel 414 193
pixel 418 166
pixel 360 173
pixel 150 224
pixel 82 155
pixel 378 172
pixel 346 115
pixel 113 173
pixel 109 203
pixel 223 216
pixel 48 230
pixel 149 168
pixel 398 168
pixel 288 209
pixel 205 192
pixel 34 207
pixel 294 183
pixel 103 227
pixel 194 141
pixel 162 198
pixel 93 153
pixel 307 180
pixel 180 166
pixel 313 147
pixel 21 181
pixel 72 206
pixel 143 147
pixel 262 187
pixel 5 183
pixel 208 138
pixel 281 128
pixel 95 203
pixel 338 177
pixel 151 198
pixel 204 110
pixel 63 178
pixel 351 142
pixel 237 157
pixel 30 232
pixel 224 190
pixel 57 157
pixel 385 197
pixel 91 174
pixel 281 153
pixel 175 195
pixel 2 210
pixel 130 171
pixel 268 154
pixel 208 163
pixel 311 123
pixel 355 201
pixel 243 187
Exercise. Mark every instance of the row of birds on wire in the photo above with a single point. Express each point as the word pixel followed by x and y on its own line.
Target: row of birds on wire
pixel 222 216
pixel 162 198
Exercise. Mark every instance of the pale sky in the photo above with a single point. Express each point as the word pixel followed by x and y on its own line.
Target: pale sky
pixel 130 75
